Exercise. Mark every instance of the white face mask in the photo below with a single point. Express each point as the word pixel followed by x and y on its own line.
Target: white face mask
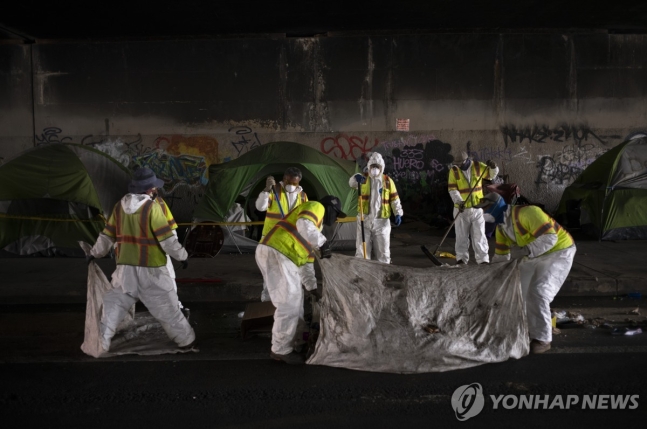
pixel 290 188
pixel 375 172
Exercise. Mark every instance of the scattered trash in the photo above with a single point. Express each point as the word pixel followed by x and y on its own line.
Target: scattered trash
pixel 597 322
pixel 559 314
pixel 241 314
pixel 446 255
pixel 635 311
pixel 589 326
pixel 631 322
pixel 626 331
pixel 576 317
pixel 606 326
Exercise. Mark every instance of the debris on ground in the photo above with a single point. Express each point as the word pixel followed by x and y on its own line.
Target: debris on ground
pixel 596 321
pixel 626 331
pixel 445 255
pixel 575 316
pixel 559 314
pixel 635 311
pixel 631 322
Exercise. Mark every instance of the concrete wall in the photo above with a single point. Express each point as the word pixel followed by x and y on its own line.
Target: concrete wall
pixel 543 106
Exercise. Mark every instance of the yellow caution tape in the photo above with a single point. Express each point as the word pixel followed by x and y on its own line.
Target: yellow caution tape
pixel 49 219
pixel 340 220
pixel 4 216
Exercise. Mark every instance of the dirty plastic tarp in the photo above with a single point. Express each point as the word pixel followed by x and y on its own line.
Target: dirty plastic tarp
pixel 379 317
pixel 139 333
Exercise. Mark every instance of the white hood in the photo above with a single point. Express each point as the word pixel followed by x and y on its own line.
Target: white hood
pixel 132 202
pixel 376 158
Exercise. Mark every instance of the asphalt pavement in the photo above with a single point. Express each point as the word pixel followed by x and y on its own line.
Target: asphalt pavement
pixel 47 381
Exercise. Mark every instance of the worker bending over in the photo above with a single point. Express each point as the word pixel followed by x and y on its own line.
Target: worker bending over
pixel 144 238
pixel 548 256
pixel 287 247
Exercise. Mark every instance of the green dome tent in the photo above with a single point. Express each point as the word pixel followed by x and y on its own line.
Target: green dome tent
pixel 612 193
pixel 53 196
pixel 322 174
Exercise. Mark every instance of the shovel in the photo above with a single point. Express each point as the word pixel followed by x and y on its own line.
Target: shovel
pixel 424 248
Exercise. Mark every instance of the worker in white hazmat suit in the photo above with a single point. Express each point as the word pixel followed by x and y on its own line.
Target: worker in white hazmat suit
pixel 548 252
pixel 144 238
pixel 379 198
pixel 469 219
pixel 291 244
pixel 277 202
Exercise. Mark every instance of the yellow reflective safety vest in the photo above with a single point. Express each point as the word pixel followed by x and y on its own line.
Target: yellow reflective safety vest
pixel 138 235
pixel 529 223
pixel 167 212
pixel 273 213
pixel 285 237
pixel 389 194
pixel 458 182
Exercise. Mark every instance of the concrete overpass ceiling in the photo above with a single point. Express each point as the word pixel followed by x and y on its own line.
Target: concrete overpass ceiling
pixel 118 19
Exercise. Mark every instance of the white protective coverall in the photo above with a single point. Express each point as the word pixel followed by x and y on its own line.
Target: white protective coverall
pixel 470 223
pixel 153 286
pixel 377 231
pixel 542 276
pixel 308 270
pixel 283 279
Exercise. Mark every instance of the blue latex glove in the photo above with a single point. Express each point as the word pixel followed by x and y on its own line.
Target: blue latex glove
pixel 359 178
pixel 398 220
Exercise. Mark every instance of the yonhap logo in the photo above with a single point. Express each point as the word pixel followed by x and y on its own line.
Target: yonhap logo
pixel 468 401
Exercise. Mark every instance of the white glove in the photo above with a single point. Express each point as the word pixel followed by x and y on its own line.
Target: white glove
pixel 269 183
pixel 525 251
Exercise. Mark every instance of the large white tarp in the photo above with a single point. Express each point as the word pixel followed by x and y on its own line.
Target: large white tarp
pixel 388 318
pixel 139 333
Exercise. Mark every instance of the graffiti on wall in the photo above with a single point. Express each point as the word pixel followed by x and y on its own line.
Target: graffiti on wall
pixel 246 139
pixel 410 140
pixel 344 146
pixel 546 134
pixel 565 165
pixel 420 172
pixel 51 135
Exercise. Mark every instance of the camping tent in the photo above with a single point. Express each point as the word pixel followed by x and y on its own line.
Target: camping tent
pixel 612 193
pixel 245 177
pixel 53 196
pixel 323 174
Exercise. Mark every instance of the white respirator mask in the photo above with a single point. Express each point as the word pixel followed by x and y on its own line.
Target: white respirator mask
pixel 290 188
pixel 375 172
